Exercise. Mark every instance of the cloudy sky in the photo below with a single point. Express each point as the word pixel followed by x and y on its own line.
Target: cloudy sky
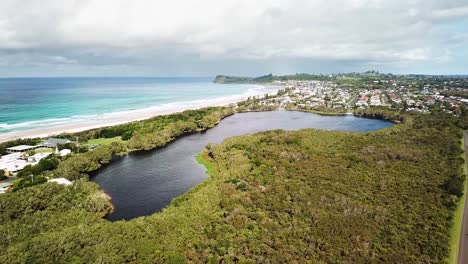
pixel 238 37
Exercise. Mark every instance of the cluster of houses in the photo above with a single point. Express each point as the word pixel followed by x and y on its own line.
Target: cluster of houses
pixel 21 156
pixel 371 98
pixel 18 157
pixel 312 94
pixel 410 94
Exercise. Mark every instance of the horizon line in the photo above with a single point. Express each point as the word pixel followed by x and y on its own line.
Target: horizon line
pixel 212 76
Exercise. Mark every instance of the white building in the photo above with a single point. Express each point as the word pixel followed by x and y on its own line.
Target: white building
pixel 20 148
pixel 61 181
pixel 65 152
pixel 12 162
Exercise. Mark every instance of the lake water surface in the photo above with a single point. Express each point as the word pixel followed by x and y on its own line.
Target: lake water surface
pixel 145 182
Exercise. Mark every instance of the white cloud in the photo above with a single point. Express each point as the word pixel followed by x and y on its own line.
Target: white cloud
pixel 455 12
pixel 139 31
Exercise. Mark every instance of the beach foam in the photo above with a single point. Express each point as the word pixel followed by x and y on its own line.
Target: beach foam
pixel 76 123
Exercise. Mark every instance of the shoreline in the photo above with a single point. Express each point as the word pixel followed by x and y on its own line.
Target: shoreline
pixel 318 112
pixel 122 117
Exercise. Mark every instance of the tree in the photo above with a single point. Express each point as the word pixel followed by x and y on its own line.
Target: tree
pixel 2 175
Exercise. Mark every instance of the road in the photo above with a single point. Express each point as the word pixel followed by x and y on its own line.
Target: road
pixel 463 246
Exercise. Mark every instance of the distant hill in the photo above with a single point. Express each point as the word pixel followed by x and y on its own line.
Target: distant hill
pixel 270 78
pixel 232 79
pixel 340 77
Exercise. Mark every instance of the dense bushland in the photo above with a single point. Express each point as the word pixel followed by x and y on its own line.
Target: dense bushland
pixel 203 118
pixel 297 196
pixel 380 113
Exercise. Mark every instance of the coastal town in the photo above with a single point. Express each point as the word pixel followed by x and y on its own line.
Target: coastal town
pixel 342 95
pixel 324 94
pixel 57 180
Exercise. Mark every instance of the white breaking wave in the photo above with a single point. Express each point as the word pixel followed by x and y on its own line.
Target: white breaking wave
pixel 255 90
pixel 52 121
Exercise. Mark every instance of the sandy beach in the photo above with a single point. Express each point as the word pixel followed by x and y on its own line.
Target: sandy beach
pixel 122 117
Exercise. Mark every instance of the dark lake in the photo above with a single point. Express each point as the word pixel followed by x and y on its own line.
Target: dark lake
pixel 143 183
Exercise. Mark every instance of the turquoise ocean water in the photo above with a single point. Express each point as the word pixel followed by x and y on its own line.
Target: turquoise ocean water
pixel 28 103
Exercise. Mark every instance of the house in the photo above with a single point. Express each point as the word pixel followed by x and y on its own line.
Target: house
pixel 20 148
pixel 375 100
pixel 54 142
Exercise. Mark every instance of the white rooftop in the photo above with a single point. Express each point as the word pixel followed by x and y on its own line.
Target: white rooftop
pixel 62 181
pixel 10 156
pixel 65 152
pixel 21 148
pixel 14 165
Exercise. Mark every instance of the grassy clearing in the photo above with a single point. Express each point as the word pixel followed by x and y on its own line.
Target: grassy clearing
pixel 44 150
pixel 105 141
pixel 204 160
pixel 457 221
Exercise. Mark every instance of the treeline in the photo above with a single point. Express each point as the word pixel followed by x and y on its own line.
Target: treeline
pixel 318 110
pixel 127 130
pixel 381 113
pixel 77 166
pixel 150 137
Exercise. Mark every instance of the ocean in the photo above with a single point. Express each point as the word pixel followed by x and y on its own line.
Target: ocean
pixel 31 103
